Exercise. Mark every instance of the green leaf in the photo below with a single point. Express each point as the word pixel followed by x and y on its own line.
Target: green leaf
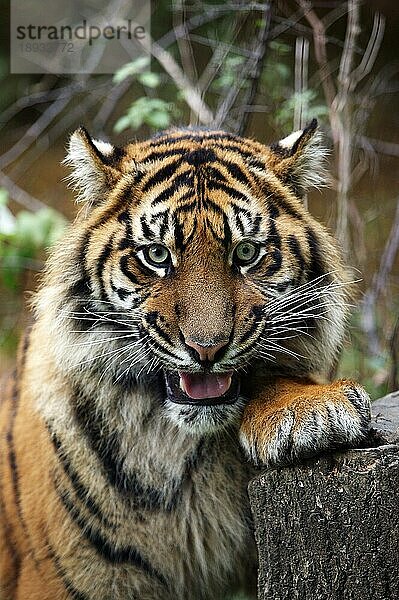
pixel 149 79
pixel 131 68
pixel 3 197
pixel 122 123
pixel 158 119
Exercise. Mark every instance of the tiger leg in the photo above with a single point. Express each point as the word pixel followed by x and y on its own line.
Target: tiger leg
pixel 290 419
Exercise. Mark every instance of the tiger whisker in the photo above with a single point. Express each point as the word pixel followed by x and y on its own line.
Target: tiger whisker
pixel 123 351
pixel 131 364
pixel 105 340
pixel 102 355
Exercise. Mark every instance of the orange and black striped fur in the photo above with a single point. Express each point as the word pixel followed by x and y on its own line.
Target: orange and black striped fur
pixel 179 332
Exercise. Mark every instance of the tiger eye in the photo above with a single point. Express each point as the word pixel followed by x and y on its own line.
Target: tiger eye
pixel 157 254
pixel 246 252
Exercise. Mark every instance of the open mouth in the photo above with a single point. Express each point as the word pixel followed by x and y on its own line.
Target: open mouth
pixel 202 389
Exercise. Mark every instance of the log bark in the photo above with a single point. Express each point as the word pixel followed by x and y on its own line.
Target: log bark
pixel 328 529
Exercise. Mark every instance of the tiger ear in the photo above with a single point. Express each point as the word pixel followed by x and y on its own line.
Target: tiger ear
pixel 93 175
pixel 300 160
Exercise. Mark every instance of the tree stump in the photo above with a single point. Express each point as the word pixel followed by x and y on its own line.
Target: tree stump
pixel 328 529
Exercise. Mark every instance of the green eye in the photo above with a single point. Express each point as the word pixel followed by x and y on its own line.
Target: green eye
pixel 245 253
pixel 157 255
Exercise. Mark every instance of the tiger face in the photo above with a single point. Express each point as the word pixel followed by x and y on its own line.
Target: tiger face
pixel 197 266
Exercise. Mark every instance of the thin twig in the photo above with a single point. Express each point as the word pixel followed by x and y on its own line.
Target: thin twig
pixel 19 195
pixel 184 46
pixel 256 71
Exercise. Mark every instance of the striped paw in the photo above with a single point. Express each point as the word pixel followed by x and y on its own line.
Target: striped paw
pixel 294 420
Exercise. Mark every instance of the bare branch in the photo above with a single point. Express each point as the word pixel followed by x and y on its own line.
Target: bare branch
pixel 256 71
pixel 19 195
pixel 379 284
pixel 320 46
pixel 190 92
pixel 301 81
pixel 252 69
pixel 388 148
pixel 371 52
pixel 184 44
pixel 34 131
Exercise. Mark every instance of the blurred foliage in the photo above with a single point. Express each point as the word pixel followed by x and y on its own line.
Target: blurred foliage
pixel 356 363
pixel 23 238
pixel 154 112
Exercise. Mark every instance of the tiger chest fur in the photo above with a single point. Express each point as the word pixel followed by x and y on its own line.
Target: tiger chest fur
pixel 179 325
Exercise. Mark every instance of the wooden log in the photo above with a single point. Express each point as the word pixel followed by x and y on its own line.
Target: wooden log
pixel 328 529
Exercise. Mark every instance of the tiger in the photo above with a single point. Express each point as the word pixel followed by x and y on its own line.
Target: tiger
pixel 181 341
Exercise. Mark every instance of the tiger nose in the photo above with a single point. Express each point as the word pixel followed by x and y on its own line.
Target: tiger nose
pixel 206 352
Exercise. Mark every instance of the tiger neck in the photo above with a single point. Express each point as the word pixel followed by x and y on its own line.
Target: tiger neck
pixel 122 431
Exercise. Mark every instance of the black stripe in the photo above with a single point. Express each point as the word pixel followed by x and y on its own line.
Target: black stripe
pixel 295 249
pixel 147 231
pixel 230 191
pixel 273 211
pixel 122 293
pixel 217 237
pixel 180 180
pixel 72 591
pixel 178 233
pixel 226 232
pixel 277 258
pixel 242 211
pixel 256 225
pixel 12 459
pixel 162 154
pixel 106 445
pixel 286 206
pixel 273 237
pixel 237 217
pixel 200 156
pixel 127 241
pixel 151 318
pixel 110 552
pixel 239 150
pixel 161 175
pixel 236 171
pixel 102 259
pixel 195 136
pixel 160 215
pixel 257 312
pixel 193 230
pixel 249 332
pixel 79 288
pixel 214 173
pixel 316 267
pixel 282 286
pixel 82 286
pixel 185 208
pixel 215 207
pixel 8 534
pixel 80 490
pixel 163 217
pixel 123 265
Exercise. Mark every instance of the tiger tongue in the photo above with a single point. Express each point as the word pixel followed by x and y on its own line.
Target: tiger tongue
pixel 205 385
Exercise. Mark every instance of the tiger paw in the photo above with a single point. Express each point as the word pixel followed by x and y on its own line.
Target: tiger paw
pixel 292 420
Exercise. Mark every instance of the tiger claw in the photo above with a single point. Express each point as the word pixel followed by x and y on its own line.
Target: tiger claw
pixel 306 426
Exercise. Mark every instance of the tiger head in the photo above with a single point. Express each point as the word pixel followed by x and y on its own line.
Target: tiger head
pixel 194 263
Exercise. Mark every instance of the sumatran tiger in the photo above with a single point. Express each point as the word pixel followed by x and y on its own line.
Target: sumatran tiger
pixel 181 335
